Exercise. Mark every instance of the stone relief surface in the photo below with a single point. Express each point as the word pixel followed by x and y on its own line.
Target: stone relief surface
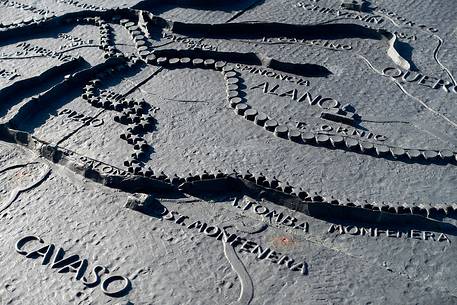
pixel 248 152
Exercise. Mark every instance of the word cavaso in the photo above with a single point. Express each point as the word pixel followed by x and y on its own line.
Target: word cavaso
pixel 375 232
pixel 72 264
pixel 234 241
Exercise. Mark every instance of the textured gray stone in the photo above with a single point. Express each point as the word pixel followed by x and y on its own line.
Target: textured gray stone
pixel 228 152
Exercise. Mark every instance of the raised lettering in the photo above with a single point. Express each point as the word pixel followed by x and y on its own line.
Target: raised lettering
pixel 387 72
pixel 273 256
pixel 285 259
pixel 261 254
pixel 259 209
pixel 272 214
pixel 307 96
pixel 416 234
pixel 21 242
pixel 45 252
pixel 303 226
pixel 247 246
pixel 291 93
pixel 352 230
pixel 334 228
pixel 60 260
pixel 302 267
pixel 426 235
pixel 264 86
pixel 96 275
pixel 212 231
pixel 443 237
pixel 289 221
pixel 197 224
pixel 78 267
pixel 116 293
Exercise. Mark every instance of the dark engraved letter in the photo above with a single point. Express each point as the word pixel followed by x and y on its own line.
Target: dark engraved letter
pixel 117 293
pixel 21 242
pixel 95 271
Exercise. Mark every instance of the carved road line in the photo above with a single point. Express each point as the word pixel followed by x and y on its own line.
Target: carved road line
pixel 7 168
pixel 17 191
pixel 435 55
pixel 410 95
pixel 247 287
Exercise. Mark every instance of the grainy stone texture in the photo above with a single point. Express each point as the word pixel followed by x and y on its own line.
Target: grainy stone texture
pixel 229 152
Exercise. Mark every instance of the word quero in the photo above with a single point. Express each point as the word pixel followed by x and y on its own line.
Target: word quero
pixel 74 264
pixel 420 79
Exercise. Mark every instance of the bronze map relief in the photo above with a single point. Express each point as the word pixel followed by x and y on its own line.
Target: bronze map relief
pixel 228 152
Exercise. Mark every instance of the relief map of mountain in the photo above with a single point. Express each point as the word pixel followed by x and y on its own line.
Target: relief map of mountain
pixel 244 152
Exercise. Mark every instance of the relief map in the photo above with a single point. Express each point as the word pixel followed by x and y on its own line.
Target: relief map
pixel 246 152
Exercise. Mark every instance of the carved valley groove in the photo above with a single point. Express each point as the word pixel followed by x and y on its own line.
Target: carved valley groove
pixel 237 131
